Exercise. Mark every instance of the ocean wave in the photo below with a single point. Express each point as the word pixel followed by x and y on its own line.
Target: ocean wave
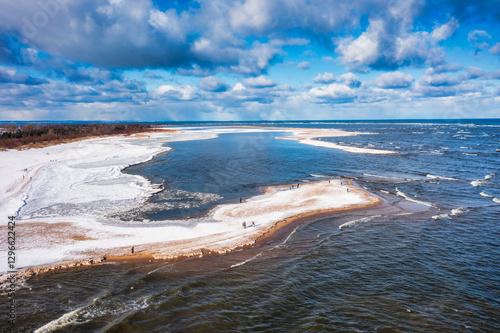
pixel 479 182
pixel 376 176
pixel 61 322
pixel 458 211
pixel 312 175
pixel 401 194
pixel 485 195
pixel 250 259
pixel 440 177
pixel 491 175
pixel 454 212
pixel 441 217
pixel 101 306
pixel 354 222
pixel 496 200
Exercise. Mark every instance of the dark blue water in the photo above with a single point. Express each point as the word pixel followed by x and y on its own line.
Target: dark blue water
pixel 435 270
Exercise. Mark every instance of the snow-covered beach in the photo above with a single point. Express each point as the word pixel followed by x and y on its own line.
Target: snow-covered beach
pixel 65 194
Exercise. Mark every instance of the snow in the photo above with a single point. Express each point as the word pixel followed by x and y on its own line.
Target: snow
pixel 68 191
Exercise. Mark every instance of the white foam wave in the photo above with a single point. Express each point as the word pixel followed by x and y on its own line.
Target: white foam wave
pixel 312 175
pixel 458 211
pixel 289 236
pixel 354 222
pixel 63 321
pixel 248 260
pixel 440 177
pixel 491 175
pixel 485 195
pixel 454 212
pixel 479 182
pixel 401 194
pixel 99 307
pixel 377 176
pixel 441 217
pixel 496 200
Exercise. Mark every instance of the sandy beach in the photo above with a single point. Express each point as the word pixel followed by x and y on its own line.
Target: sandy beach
pixel 309 136
pixel 64 196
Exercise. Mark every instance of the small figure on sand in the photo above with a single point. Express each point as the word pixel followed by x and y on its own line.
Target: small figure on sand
pixel 298 185
pixel 241 200
pixel 132 250
pixel 348 189
pixel 244 225
pixel 253 224
pixel 328 182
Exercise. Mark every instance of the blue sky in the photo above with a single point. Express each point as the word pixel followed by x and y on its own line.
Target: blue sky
pixel 145 60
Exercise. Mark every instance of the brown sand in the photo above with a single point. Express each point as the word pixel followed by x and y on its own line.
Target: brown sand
pixel 176 250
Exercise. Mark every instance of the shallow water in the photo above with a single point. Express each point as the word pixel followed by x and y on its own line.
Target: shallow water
pixel 436 269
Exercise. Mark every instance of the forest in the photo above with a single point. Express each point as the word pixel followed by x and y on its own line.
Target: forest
pixel 32 136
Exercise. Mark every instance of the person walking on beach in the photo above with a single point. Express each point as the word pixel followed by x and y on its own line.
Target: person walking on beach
pixel 244 225
pixel 241 200
pixel 132 250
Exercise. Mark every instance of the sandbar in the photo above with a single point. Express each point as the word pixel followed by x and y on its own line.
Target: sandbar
pixel 65 195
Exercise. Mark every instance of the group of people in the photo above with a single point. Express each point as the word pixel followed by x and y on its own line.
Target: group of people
pixel 245 225
pixel 342 184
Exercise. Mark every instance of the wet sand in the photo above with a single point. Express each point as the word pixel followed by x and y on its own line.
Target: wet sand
pixel 216 244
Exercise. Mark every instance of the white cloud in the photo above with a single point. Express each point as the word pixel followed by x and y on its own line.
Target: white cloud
pixel 394 80
pixel 495 49
pixel 324 78
pixel 333 92
pixel 259 82
pixel 304 65
pixel 389 42
pixel 213 84
pixel 477 34
pixel 348 79
pixel 238 86
pixel 183 93
pixel 445 31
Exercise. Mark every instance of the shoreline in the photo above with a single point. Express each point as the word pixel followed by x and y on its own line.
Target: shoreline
pixel 276 231
pixel 66 241
pixel 309 136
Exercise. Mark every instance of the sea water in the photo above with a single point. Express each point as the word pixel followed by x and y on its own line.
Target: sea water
pixel 433 269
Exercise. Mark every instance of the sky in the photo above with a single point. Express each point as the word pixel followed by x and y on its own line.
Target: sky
pixel 223 60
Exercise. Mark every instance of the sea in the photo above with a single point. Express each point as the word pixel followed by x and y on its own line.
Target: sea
pixel 431 268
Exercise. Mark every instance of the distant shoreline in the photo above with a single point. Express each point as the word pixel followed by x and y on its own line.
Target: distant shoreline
pixel 39 136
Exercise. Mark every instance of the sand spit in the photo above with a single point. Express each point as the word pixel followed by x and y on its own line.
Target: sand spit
pixel 271 211
pixel 309 136
pixel 64 195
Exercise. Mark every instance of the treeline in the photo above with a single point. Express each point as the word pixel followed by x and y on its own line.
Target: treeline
pixel 13 136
